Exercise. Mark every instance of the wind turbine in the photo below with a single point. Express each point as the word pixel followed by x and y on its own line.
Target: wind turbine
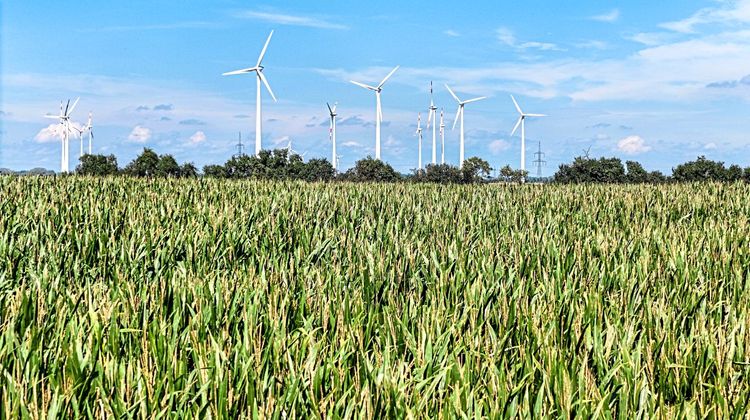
pixel 289 151
pixel 332 133
pixel 442 139
pixel 378 110
pixel 460 114
pixel 90 129
pixel 431 117
pixel 64 118
pixel 522 122
pixel 419 135
pixel 258 69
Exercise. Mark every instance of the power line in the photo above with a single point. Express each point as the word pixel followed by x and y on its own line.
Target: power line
pixel 539 162
pixel 239 146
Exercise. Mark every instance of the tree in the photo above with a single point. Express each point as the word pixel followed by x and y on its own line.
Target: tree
pixel 317 170
pixel 701 169
pixel 214 171
pixel 370 169
pixel 746 174
pixel 635 173
pixel 97 165
pixel 585 170
pixel 167 167
pixel 475 170
pixel 440 174
pixel 144 165
pixel 188 170
pixel 734 173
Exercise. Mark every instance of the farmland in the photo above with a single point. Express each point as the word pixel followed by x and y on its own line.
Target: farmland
pixel 285 299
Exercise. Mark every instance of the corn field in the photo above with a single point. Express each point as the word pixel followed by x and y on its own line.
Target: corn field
pixel 220 299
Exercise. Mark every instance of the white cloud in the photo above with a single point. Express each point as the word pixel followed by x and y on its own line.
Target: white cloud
pixel 633 145
pixel 140 134
pixel 609 17
pixel 593 44
pixel 291 20
pixel 648 38
pixel 498 146
pixel 737 11
pixel 351 143
pixel 198 137
pixel 507 37
pixel 710 146
pixel 451 32
pixel 54 132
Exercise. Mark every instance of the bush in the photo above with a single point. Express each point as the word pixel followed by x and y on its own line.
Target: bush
pixel 97 165
pixel 369 169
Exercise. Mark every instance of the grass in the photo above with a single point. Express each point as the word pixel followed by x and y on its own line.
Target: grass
pixel 123 297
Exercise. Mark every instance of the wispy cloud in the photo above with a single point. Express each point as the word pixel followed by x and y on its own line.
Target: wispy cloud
pixel 140 134
pixel 609 17
pixel 729 12
pixel 633 145
pixel 291 20
pixel 192 121
pixel 198 137
pixel 498 146
pixel 451 32
pixel 507 37
pixel 152 27
pixel 164 107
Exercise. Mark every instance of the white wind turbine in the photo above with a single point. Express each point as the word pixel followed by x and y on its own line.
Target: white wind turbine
pixel 442 139
pixel 332 134
pixel 522 123
pixel 378 110
pixel 90 129
pixel 460 114
pixel 432 117
pixel 258 69
pixel 419 135
pixel 64 119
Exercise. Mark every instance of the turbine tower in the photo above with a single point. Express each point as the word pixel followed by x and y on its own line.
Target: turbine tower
pixel 442 139
pixel 90 129
pixel 258 69
pixel 460 114
pixel 378 110
pixel 64 119
pixel 419 135
pixel 522 122
pixel 431 117
pixel 332 134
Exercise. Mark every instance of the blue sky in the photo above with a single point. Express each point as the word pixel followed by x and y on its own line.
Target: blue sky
pixel 658 82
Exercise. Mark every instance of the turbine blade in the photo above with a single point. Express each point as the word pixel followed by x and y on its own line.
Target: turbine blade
pixel 52 116
pixel 265 82
pixel 240 71
pixel 73 107
pixel 535 115
pixel 429 117
pixel 66 108
pixel 265 47
pixel 452 94
pixel 364 85
pixel 474 100
pixel 518 108
pixel 329 108
pixel 458 114
pixel 388 77
pixel 516 127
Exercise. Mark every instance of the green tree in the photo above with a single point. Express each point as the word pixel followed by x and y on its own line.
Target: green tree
pixel 475 170
pixel 635 173
pixel 370 169
pixel 701 169
pixel 317 170
pixel 167 167
pixel 440 174
pixel 188 170
pixel 734 173
pixel 214 171
pixel 145 165
pixel 97 165
pixel 584 170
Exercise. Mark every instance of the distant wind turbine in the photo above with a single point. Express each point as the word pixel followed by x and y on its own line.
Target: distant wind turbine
pixel 378 110
pixel 258 69
pixel 460 114
pixel 64 119
pixel 431 118
pixel 419 135
pixel 442 139
pixel 90 129
pixel 332 134
pixel 522 122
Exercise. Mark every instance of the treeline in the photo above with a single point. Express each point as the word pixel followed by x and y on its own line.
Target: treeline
pixel 612 171
pixel 279 164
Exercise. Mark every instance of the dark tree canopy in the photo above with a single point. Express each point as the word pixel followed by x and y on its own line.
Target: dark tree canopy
pixel 97 165
pixel 370 169
pixel 145 165
pixel 475 170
